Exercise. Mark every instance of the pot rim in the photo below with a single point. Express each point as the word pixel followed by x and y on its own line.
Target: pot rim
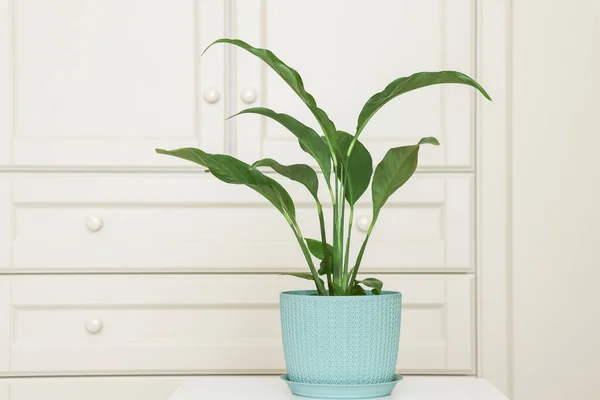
pixel 309 294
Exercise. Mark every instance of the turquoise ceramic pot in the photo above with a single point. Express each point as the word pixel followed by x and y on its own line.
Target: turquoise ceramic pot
pixel 340 340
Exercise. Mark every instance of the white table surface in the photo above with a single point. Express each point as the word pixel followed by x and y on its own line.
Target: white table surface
pixel 273 388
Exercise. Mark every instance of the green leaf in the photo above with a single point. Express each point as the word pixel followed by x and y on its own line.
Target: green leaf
pixel 429 140
pixel 289 75
pixel 407 84
pixel 394 170
pixel 337 290
pixel 373 283
pixel 303 275
pixel 358 167
pixel 309 140
pixel 316 249
pixel 357 290
pixel 231 170
pixel 300 173
pixel 326 266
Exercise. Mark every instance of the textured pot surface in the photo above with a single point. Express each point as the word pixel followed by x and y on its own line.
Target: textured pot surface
pixel 340 340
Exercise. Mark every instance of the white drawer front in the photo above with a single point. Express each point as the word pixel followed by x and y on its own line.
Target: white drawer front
pixel 5 325
pixel 103 324
pixel 192 222
pixel 152 388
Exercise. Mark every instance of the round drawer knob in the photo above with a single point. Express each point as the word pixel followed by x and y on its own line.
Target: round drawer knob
pixel 363 223
pixel 211 95
pixel 249 95
pixel 94 223
pixel 94 326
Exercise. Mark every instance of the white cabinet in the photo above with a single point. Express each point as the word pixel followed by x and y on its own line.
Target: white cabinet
pixel 123 324
pixel 105 388
pixel 191 222
pixel 346 51
pixel 103 83
pixel 116 260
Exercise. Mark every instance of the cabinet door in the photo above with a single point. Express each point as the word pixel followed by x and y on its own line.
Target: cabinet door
pixel 347 51
pixel 105 82
pixel 209 323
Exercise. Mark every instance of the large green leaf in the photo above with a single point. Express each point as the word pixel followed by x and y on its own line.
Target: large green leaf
pixel 407 84
pixel 300 173
pixel 309 140
pixel 394 170
pixel 289 75
pixel 231 170
pixel 373 283
pixel 358 167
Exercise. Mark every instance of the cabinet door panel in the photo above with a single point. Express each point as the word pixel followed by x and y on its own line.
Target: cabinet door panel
pixel 346 52
pixel 154 324
pixel 103 83
pixel 186 222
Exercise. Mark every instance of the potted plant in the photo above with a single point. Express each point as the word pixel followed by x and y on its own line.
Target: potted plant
pixel 341 339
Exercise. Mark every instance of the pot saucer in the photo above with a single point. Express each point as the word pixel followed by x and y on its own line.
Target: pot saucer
pixel 323 391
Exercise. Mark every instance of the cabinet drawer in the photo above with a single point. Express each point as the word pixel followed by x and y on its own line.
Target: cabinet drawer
pixel 192 222
pixel 105 388
pixel 167 324
pixel 5 325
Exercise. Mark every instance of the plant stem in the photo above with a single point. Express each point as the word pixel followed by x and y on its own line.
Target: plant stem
pixel 331 151
pixel 347 257
pixel 323 237
pixel 342 205
pixel 361 253
pixel 351 147
pixel 337 265
pixel 331 194
pixel 317 279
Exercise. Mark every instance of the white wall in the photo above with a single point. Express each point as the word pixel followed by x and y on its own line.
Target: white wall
pixel 556 199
